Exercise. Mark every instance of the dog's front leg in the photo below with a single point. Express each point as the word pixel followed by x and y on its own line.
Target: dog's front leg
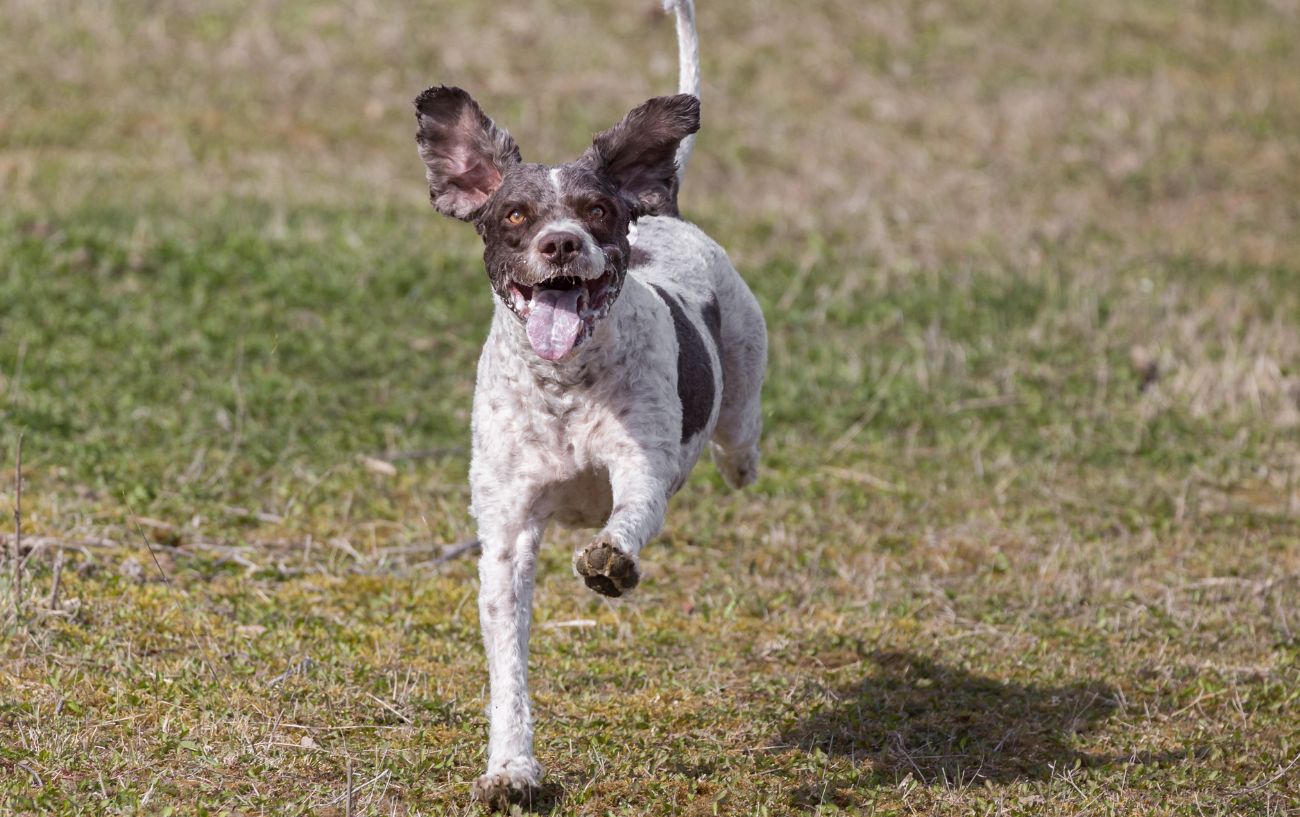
pixel 505 601
pixel 640 486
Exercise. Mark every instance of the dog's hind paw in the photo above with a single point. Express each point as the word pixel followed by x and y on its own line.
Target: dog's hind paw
pixel 738 467
pixel 606 569
pixel 499 790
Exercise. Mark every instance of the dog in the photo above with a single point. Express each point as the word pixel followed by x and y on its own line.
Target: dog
pixel 622 340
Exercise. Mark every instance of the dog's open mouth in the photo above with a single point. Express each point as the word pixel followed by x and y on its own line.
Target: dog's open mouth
pixel 562 312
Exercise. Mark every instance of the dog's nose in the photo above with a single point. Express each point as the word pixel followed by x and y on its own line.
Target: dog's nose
pixel 558 247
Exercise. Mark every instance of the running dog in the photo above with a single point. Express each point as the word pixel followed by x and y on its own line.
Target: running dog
pixel 622 341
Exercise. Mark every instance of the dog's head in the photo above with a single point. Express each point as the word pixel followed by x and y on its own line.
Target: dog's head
pixel 555 238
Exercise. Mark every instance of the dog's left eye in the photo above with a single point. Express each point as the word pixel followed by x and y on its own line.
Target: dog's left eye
pixel 596 211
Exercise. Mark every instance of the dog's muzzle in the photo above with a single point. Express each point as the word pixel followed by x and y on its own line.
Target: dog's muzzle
pixel 562 311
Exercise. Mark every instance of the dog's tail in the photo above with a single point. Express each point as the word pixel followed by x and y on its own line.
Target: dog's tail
pixel 688 69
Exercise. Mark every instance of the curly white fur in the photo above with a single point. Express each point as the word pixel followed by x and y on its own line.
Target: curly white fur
pixel 595 440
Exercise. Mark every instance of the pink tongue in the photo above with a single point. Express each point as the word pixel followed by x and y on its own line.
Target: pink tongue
pixel 553 323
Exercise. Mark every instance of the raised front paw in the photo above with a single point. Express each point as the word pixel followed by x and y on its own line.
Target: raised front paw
pixel 516 781
pixel 606 569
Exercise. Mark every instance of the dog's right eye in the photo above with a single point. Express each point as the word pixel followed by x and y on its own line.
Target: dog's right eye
pixel 515 216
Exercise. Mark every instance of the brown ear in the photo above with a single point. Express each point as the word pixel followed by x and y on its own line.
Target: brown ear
pixel 640 152
pixel 464 153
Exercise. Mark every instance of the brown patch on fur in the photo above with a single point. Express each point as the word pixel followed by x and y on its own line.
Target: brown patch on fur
pixel 695 380
pixel 640 152
pixel 712 314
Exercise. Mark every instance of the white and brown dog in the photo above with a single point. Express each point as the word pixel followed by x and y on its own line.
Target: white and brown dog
pixel 623 339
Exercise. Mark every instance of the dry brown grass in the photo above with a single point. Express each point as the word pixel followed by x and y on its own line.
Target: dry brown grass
pixel 1028 539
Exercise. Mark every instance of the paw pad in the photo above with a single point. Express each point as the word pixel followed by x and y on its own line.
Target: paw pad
pixel 606 569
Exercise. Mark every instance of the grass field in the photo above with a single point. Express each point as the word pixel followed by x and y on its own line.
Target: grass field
pixel 1027 540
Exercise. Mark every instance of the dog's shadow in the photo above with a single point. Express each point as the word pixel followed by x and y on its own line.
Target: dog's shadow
pixel 949 727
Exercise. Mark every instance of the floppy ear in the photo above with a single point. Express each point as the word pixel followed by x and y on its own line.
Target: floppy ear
pixel 464 153
pixel 640 153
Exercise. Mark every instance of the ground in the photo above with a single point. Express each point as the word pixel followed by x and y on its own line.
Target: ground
pixel 1027 537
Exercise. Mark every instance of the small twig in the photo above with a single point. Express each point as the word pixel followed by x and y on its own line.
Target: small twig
pixel 36 544
pixel 347 809
pixel 896 739
pixel 18 532
pixel 342 544
pixel 35 776
pixel 358 789
pixel 577 623
pixel 53 603
pixel 864 478
pixel 343 728
pixel 389 707
pixel 457 550
pixel 1281 773
pixel 260 516
pixel 293 669
pixel 312 747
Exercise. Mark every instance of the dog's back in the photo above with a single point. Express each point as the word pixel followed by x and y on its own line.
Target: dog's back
pixel 721 340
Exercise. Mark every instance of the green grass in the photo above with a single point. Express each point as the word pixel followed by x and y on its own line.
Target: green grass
pixel 1027 538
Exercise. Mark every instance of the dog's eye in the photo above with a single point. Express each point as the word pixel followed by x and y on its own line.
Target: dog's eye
pixel 515 216
pixel 596 211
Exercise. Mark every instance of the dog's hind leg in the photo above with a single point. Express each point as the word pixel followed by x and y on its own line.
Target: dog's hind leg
pixel 744 361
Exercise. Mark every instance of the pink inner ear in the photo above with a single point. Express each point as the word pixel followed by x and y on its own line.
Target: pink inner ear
pixel 468 172
pixel 476 176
